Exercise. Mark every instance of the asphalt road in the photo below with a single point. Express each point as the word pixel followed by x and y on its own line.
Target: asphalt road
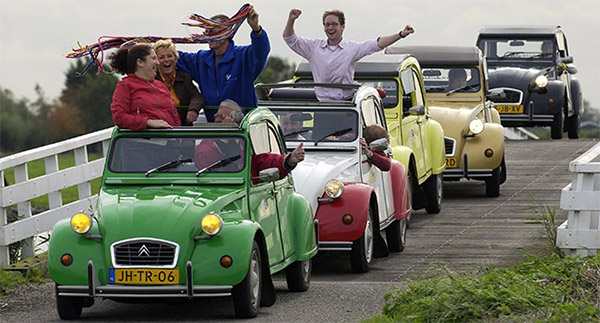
pixel 471 231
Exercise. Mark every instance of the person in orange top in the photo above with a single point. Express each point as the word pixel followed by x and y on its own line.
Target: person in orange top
pixel 184 93
pixel 139 101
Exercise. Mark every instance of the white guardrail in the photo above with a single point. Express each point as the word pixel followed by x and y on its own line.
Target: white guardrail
pixel 580 233
pixel 25 189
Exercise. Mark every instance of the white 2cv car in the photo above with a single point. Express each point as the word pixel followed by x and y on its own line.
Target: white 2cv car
pixel 353 200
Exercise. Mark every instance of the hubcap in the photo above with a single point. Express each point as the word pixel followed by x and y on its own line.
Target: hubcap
pixel 368 241
pixel 254 278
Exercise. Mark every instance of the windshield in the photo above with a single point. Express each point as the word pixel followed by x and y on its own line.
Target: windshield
pixel 176 154
pixel 451 79
pixel 518 49
pixel 317 125
pixel 390 86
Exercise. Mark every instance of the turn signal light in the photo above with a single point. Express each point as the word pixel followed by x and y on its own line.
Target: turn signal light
pixel 551 101
pixel 489 152
pixel 226 261
pixel 66 259
pixel 347 219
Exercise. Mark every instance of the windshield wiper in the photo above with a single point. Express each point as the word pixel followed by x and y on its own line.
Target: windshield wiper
pixel 511 54
pixel 459 89
pixel 295 133
pixel 223 162
pixel 335 133
pixel 169 165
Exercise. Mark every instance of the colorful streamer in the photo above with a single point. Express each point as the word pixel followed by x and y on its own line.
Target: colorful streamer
pixel 214 31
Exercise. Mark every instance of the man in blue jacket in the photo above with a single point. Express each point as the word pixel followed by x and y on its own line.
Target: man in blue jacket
pixel 227 71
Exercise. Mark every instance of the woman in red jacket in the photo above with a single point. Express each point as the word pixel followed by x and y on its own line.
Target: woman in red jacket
pixel 140 101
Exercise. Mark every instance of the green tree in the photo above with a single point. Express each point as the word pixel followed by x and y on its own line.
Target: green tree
pixel 277 69
pixel 90 94
pixel 18 130
pixel 590 113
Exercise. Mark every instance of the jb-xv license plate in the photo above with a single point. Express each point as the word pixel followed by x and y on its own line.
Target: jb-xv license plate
pixel 143 276
pixel 509 108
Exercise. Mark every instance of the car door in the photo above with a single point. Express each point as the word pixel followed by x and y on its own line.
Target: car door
pixel 371 114
pixel 413 124
pixel 273 196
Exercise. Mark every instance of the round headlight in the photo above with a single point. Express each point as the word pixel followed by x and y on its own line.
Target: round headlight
pixel 212 224
pixel 476 126
pixel 334 188
pixel 541 81
pixel 81 223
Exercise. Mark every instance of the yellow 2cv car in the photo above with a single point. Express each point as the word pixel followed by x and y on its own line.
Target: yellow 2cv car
pixel 418 140
pixel 456 82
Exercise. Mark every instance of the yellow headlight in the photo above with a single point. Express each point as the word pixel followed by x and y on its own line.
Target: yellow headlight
pixel 541 81
pixel 81 223
pixel 334 188
pixel 476 126
pixel 212 224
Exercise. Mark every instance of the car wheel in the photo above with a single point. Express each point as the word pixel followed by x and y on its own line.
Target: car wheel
pixel 556 129
pixel 246 295
pixel 396 235
pixel 502 171
pixel 297 275
pixel 433 192
pixel 573 126
pixel 492 184
pixel 69 308
pixel 362 248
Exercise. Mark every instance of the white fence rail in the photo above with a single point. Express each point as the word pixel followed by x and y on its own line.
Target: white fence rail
pixel 25 189
pixel 580 233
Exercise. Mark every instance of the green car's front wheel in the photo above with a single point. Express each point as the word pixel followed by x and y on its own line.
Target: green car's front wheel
pixel 246 295
pixel 69 308
pixel 297 275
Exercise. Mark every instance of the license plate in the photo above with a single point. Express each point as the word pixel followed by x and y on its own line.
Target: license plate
pixel 451 162
pixel 509 108
pixel 143 276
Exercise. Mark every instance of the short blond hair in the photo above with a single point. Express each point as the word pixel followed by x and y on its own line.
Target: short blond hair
pixel 165 44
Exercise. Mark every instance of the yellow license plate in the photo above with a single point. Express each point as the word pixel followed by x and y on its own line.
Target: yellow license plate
pixel 509 108
pixel 451 162
pixel 143 276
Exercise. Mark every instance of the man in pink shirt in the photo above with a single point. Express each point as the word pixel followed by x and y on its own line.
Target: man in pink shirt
pixel 333 60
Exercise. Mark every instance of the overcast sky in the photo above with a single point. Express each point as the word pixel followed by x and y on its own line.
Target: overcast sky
pixel 35 35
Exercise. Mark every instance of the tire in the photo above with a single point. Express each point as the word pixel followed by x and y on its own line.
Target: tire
pixel 433 192
pixel 556 129
pixel 502 171
pixel 492 184
pixel 297 275
pixel 573 126
pixel 396 235
pixel 362 248
pixel 69 308
pixel 246 295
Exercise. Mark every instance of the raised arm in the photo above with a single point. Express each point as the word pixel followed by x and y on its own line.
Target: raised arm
pixel 253 20
pixel 289 26
pixel 385 41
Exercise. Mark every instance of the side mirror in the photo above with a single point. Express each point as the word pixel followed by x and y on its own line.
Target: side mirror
pixel 268 175
pixel 571 69
pixel 380 144
pixel 417 110
pixel 567 60
pixel 496 94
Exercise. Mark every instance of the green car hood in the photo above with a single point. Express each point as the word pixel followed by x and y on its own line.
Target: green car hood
pixel 165 212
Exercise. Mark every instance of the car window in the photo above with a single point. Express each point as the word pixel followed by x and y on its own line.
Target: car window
pixel 444 79
pixel 186 154
pixel 323 125
pixel 389 86
pixel 263 139
pixel 518 48
pixel 417 95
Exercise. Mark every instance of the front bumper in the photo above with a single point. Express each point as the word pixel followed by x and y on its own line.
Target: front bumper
pixel 93 289
pixel 465 172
